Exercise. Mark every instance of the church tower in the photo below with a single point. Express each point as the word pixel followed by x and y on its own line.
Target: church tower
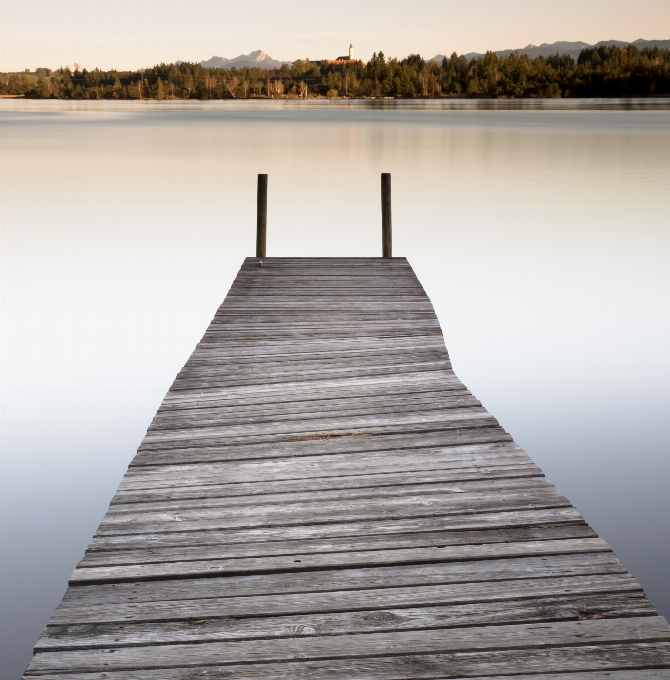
pixel 351 51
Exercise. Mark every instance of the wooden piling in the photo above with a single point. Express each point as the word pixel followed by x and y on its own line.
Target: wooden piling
pixel 386 214
pixel 261 215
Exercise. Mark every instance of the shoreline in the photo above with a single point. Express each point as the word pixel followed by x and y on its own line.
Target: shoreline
pixel 649 104
pixel 284 98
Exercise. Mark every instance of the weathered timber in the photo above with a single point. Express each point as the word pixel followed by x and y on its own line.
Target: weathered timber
pixel 80 612
pixel 319 496
pixel 262 215
pixel 537 609
pixel 386 215
pixel 98 558
pixel 301 562
pixel 633 630
pixel 365 581
pixel 497 521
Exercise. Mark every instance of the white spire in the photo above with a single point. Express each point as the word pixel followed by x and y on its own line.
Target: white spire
pixel 351 51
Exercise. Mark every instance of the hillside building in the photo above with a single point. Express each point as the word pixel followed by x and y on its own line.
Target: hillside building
pixel 345 60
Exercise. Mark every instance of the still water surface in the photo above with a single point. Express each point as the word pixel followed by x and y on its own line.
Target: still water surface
pixel 541 233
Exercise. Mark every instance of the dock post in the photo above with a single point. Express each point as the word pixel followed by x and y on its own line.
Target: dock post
pixel 261 215
pixel 386 214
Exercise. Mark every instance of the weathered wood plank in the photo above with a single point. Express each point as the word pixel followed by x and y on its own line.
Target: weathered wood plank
pixel 84 611
pixel 520 569
pixel 536 610
pixel 356 387
pixel 450 418
pixel 298 562
pixel 257 495
pixel 366 482
pixel 318 513
pixel 285 371
pixel 330 469
pixel 511 637
pixel 265 349
pixel 304 392
pixel 568 663
pixel 221 550
pixel 456 433
pixel 387 527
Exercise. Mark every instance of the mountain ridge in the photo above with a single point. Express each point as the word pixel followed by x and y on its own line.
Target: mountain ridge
pixel 258 58
pixel 562 47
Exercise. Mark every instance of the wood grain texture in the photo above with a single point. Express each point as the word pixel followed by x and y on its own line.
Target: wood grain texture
pixel 319 496
pixel 380 645
pixel 535 610
pixel 261 215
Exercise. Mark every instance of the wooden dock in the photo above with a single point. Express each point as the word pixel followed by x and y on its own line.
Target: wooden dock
pixel 319 497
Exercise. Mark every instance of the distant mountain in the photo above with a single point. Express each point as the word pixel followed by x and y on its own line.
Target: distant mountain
pixel 562 47
pixel 257 58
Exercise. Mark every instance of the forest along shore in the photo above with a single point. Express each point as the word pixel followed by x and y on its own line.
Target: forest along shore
pixel 604 71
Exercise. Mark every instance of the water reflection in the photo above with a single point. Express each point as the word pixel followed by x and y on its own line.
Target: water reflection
pixel 373 104
pixel 539 229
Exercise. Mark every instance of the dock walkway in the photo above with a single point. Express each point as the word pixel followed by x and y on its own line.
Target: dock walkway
pixel 320 497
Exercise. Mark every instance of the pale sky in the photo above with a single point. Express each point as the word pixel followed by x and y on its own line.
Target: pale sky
pixel 128 34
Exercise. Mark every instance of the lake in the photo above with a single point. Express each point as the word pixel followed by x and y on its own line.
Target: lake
pixel 540 230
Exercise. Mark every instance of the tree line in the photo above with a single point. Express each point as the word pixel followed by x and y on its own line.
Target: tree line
pixel 605 71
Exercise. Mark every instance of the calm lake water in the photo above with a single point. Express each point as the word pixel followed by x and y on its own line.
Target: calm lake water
pixel 540 231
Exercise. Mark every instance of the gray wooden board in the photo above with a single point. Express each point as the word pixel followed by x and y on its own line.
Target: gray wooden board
pixel 322 324
pixel 370 483
pixel 318 513
pixel 584 662
pixel 354 289
pixel 283 359
pixel 311 375
pixel 538 609
pixel 486 448
pixel 319 496
pixel 300 562
pixel 271 372
pixel 265 350
pixel 406 365
pixel 551 634
pixel 81 612
pixel 314 382
pixel 429 472
pixel 313 430
pixel 496 521
pixel 256 495
pixel 352 386
pixel 523 569
pixel 294 334
pixel 321 459
pixel 335 466
pixel 303 394
pixel 288 369
pixel 399 309
pixel 342 349
pixel 280 355
pixel 338 400
pixel 99 558
pixel 315 331
pixel 372 424
pixel 323 443
pixel 593 659
pixel 309 391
